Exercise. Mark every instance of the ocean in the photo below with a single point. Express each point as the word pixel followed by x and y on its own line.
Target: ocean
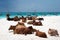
pixel 19 14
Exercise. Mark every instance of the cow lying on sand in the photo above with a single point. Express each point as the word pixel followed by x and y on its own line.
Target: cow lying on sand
pixel 16 18
pixel 53 32
pixel 13 19
pixel 24 30
pixel 41 34
pixel 19 28
pixel 40 18
pixel 14 27
pixel 32 18
pixel 24 19
pixel 37 23
pixel 29 30
pixel 10 19
pixel 20 23
pixel 31 22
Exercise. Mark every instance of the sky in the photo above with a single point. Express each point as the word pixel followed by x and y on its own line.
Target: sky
pixel 30 5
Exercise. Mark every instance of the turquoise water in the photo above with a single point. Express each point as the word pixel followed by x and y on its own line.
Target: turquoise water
pixel 12 14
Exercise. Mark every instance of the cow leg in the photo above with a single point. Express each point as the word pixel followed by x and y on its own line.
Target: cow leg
pixel 15 31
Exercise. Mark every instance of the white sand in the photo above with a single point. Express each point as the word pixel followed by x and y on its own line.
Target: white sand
pixel 49 22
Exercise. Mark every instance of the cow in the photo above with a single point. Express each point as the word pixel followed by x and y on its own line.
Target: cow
pixel 19 27
pixel 16 18
pixel 32 18
pixel 20 23
pixel 37 23
pixel 24 30
pixel 40 18
pixel 53 32
pixel 41 34
pixel 10 19
pixel 29 30
pixel 33 30
pixel 31 22
pixel 29 18
pixel 19 31
pixel 24 20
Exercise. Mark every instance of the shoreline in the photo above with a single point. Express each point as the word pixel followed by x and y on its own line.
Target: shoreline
pixel 37 16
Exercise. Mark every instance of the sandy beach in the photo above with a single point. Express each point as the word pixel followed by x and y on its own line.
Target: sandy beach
pixel 49 22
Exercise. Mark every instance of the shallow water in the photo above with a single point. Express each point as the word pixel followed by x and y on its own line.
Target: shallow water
pixel 12 14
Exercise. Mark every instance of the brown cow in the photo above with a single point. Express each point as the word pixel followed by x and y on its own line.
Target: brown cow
pixel 33 30
pixel 16 18
pixel 41 34
pixel 30 27
pixel 19 28
pixel 29 30
pixel 31 22
pixel 19 31
pixel 32 18
pixel 53 32
pixel 29 18
pixel 37 23
pixel 10 19
pixel 24 30
pixel 20 23
pixel 40 18
pixel 24 20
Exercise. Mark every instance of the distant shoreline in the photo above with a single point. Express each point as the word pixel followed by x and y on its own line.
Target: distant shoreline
pixel 12 14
